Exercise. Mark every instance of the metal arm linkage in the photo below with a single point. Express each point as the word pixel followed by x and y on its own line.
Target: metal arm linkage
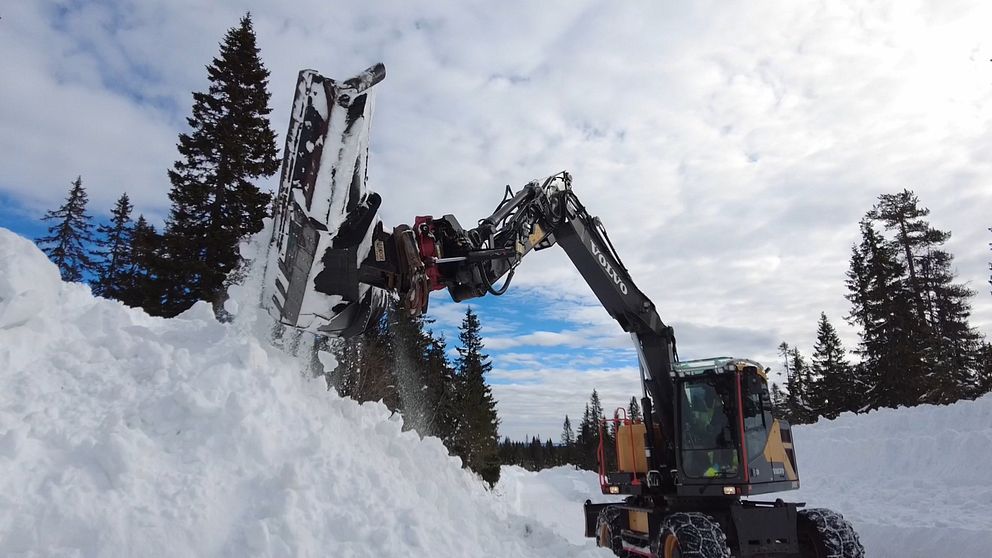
pixel 439 254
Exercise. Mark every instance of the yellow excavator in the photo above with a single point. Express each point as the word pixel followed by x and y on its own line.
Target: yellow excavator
pixel 709 441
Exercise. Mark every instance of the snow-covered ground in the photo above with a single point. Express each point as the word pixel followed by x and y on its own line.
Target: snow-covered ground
pixel 126 435
pixel 915 482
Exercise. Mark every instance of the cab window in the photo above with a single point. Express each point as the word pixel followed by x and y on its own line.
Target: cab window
pixel 757 414
pixel 708 412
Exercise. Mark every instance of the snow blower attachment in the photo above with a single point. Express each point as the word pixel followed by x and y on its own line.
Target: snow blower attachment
pixel 323 214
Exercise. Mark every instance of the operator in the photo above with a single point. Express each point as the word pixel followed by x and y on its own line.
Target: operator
pixel 710 424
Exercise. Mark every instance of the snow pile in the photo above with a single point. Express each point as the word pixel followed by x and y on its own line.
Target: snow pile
pixel 915 482
pixel 553 497
pixel 127 435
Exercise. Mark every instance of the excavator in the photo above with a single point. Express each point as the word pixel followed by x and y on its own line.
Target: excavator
pixel 709 441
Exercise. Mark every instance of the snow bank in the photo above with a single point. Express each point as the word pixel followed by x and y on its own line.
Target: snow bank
pixel 915 482
pixel 552 497
pixel 127 435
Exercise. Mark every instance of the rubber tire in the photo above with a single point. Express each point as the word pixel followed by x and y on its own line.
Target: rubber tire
pixel 609 523
pixel 825 533
pixel 690 535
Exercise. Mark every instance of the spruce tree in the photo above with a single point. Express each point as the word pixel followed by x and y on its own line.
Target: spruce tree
pixel 567 434
pixel 778 401
pixel 634 409
pixel 596 416
pixel 424 377
pixel 892 347
pixel 365 370
pixel 477 434
pixel 955 345
pixel 214 201
pixel 585 456
pixel 567 442
pixel 69 235
pixel 803 411
pixel 138 281
pixel 942 307
pixel 983 383
pixel 789 400
pixel 114 248
pixel 835 388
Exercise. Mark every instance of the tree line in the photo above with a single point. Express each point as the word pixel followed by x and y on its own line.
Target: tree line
pixel 215 201
pixel 915 344
pixel 577 446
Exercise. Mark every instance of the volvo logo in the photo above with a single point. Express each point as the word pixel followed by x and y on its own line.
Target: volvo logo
pixel 608 268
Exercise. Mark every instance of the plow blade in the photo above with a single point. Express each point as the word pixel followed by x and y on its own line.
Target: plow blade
pixel 324 216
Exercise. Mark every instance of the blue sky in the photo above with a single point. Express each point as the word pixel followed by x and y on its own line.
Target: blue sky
pixel 729 147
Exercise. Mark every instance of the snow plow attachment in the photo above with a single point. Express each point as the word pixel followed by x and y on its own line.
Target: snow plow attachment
pixel 323 215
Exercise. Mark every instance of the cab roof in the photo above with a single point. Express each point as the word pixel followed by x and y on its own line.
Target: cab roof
pixel 714 365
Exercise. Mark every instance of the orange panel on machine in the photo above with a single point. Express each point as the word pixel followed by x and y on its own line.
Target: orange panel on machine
pixel 638 521
pixel 630 447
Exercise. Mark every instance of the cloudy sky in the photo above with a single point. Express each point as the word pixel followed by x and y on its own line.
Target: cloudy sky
pixel 729 147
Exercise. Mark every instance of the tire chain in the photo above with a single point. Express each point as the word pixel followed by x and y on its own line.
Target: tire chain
pixel 610 516
pixel 699 536
pixel 839 537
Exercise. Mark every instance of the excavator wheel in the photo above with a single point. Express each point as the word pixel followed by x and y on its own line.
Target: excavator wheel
pixel 691 535
pixel 825 533
pixel 609 523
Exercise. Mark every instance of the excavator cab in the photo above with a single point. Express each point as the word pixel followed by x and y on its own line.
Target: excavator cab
pixel 729 442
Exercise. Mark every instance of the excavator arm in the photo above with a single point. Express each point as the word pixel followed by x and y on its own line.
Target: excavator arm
pixel 332 264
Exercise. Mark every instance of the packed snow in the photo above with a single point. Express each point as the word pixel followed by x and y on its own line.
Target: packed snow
pixel 127 435
pixel 914 482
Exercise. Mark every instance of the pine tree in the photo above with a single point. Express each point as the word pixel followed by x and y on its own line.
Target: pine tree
pixel 633 409
pixel 365 366
pixel 902 214
pixel 955 345
pixel 983 383
pixel 567 434
pixel 796 406
pixel 596 416
pixel 789 401
pixel 67 240
pixel 424 377
pixel 585 442
pixel 114 247
pixel 803 412
pixel 139 289
pixel 214 202
pixel 778 401
pixel 835 388
pixel 942 307
pixel 892 348
pixel 477 434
